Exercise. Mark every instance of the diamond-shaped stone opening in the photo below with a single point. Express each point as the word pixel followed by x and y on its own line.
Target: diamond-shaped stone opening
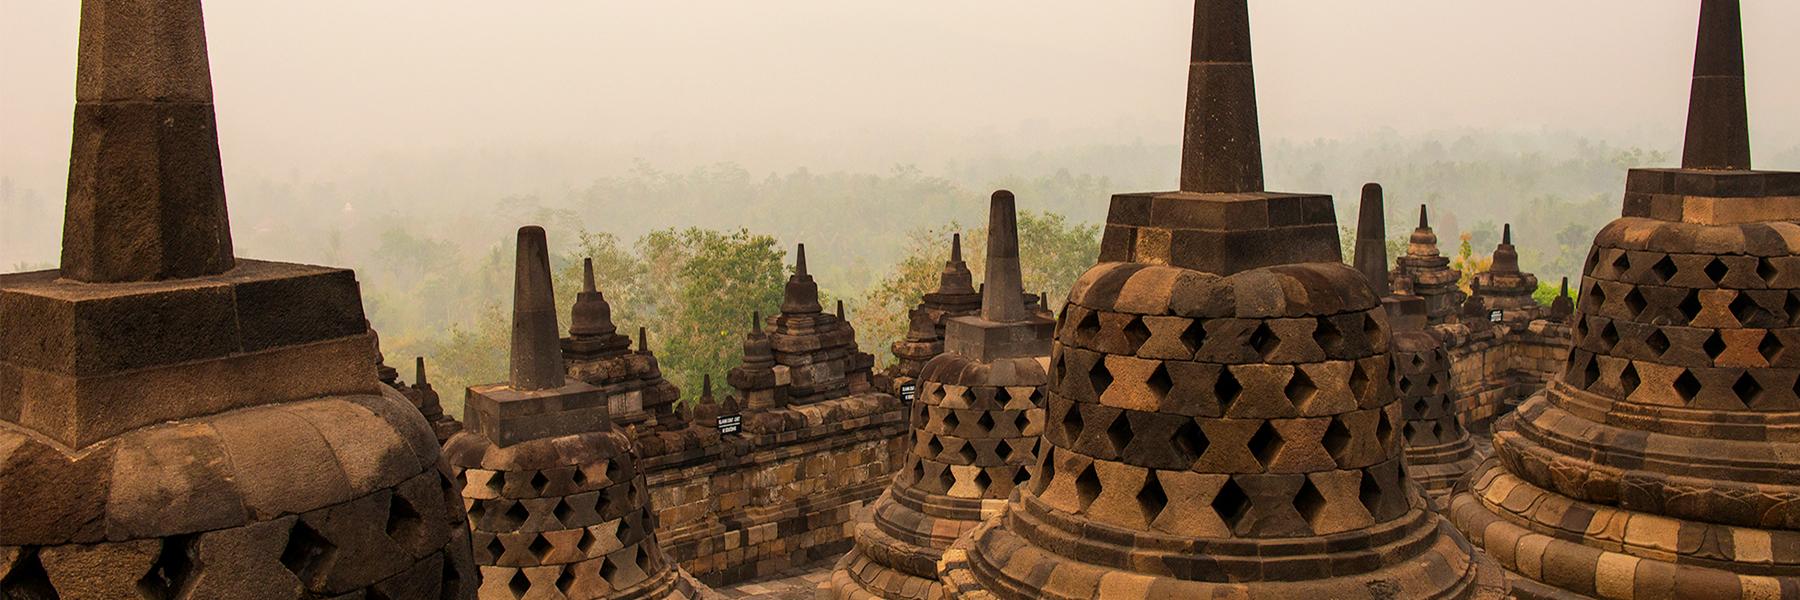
pixel 167 575
pixel 1593 260
pixel 1087 486
pixel 1151 498
pixel 1327 335
pixel 565 581
pixel 1597 294
pixel 495 548
pixel 1747 388
pixel 1046 471
pixel 1590 375
pixel 934 448
pixel 586 544
pixel 1437 430
pixel 1119 433
pixel 1003 450
pixel 1263 340
pixel 1231 503
pixel 1337 439
pixel 1420 407
pixel 1266 444
pixel 1657 342
pixel 982 481
pixel 1226 389
pixel 497 482
pixel 1190 440
pixel 967 453
pixel 1418 361
pixel 1020 476
pixel 1088 327
pixel 1194 336
pixel 519 585
pixel 918 471
pixel 579 477
pixel 1310 503
pixel 539 481
pixel 1765 269
pixel 1136 333
pixel 1628 380
pixel 1687 386
pixel 946 479
pixel 563 511
pixel 1635 303
pixel 1664 269
pixel 951 422
pixel 1099 377
pixel 540 547
pixel 919 418
pixel 935 391
pixel 1371 327
pixel 608 570
pixel 1020 422
pixel 1792 306
pixel 1072 423
pixel 985 423
pixel 1747 311
pixel 1370 493
pixel 645 562
pixel 1609 336
pixel 1300 388
pixel 1714 345
pixel 1411 432
pixel 1716 270
pixel 1770 347
pixel 1359 381
pixel 404 524
pixel 1690 305
pixel 1159 382
pixel 1622 262
pixel 308 555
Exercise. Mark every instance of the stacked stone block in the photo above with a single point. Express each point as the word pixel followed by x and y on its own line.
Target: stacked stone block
pixel 178 422
pixel 595 352
pixel 1659 463
pixel 1425 273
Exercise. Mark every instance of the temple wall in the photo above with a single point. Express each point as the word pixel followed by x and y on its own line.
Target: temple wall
pixel 746 507
pixel 1496 368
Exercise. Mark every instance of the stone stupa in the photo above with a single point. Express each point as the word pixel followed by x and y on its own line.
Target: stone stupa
pixel 1221 421
pixel 1661 462
pixel 975 429
pixel 179 422
pixel 557 503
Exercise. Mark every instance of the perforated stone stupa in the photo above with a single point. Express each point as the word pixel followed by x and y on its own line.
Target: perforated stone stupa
pixel 975 426
pixel 175 420
pixel 557 503
pixel 1661 463
pixel 1221 421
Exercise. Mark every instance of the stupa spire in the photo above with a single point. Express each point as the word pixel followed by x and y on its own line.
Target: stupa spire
pixel 419 379
pixel 537 362
pixel 1222 146
pixel 1005 304
pixel 146 196
pixel 1718 126
pixel 1371 239
pixel 591 315
pixel 802 294
pixel 1424 218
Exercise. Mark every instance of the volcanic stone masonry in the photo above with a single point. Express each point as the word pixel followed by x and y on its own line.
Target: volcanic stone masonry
pixel 975 426
pixel 174 420
pixel 1221 422
pixel 1425 273
pixel 1660 462
pixel 1504 288
pixel 556 501
pixel 635 390
pixel 955 296
pixel 426 399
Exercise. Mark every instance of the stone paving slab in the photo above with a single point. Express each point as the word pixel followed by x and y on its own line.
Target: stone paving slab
pixel 800 583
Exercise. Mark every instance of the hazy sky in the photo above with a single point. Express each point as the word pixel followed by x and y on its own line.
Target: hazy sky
pixel 310 87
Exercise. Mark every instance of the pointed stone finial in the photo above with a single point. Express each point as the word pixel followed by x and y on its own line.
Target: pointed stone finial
pixel 1006 303
pixel 1506 257
pixel 1718 126
pixel 591 315
pixel 755 321
pixel 706 387
pixel 419 363
pixel 1424 220
pixel 802 294
pixel 956 278
pixel 1564 292
pixel 1221 150
pixel 1506 234
pixel 1371 239
pixel 146 195
pixel 537 362
pixel 643 340
pixel 840 310
pixel 956 248
pixel 1044 300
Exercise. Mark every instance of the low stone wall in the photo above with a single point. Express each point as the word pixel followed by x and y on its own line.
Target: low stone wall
pixel 738 507
pixel 1496 368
